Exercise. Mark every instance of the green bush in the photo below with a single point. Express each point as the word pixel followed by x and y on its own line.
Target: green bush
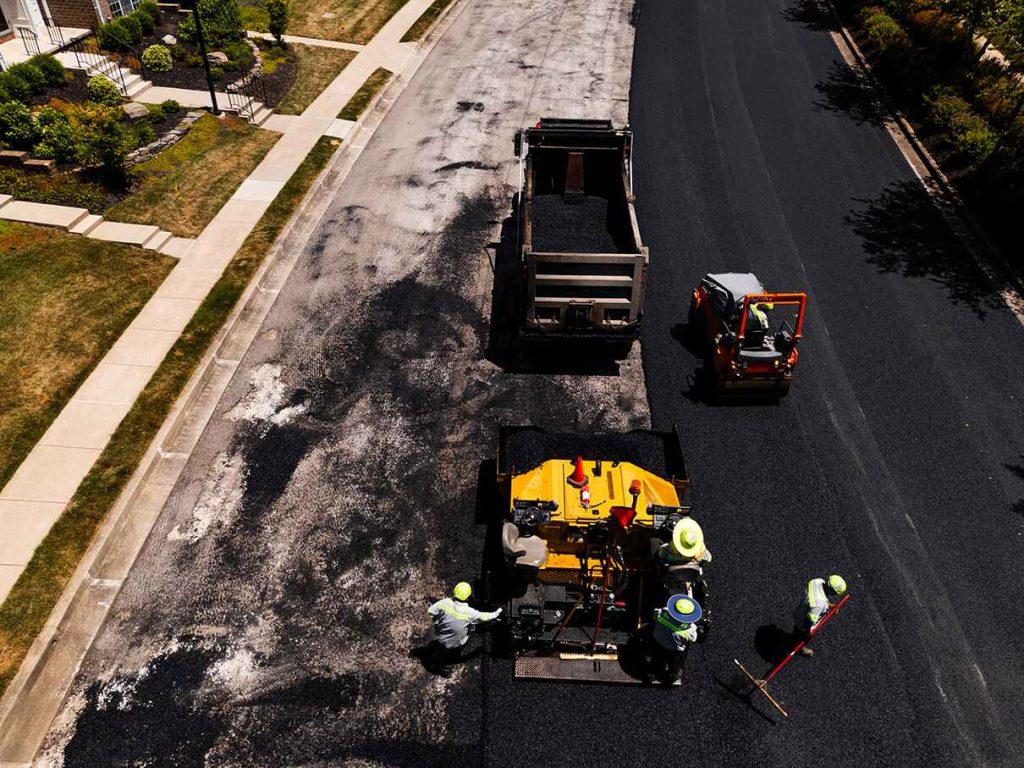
pixel 239 55
pixel 157 58
pixel 882 29
pixel 945 107
pixel 193 60
pixel 30 74
pixel 255 17
pixel 278 14
pixel 65 189
pixel 114 36
pixel 53 70
pixel 103 91
pixel 976 140
pixel 170 107
pixel 145 23
pixel 18 126
pixel 222 23
pixel 48 116
pixel 134 27
pixel 104 138
pixel 217 73
pixel 150 9
pixel 58 142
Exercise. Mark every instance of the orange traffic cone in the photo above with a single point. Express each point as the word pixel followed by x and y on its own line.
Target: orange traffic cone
pixel 577 478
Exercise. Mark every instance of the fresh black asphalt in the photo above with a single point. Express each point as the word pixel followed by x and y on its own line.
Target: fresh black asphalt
pixel 897 460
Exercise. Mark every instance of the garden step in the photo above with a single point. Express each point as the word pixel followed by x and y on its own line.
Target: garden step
pixel 261 115
pixel 40 213
pixel 158 240
pixel 138 87
pixel 132 234
pixel 86 225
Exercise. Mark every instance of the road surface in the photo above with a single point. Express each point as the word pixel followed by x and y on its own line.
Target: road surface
pixel 897 460
pixel 269 619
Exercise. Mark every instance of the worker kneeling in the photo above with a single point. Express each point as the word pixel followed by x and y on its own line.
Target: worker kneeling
pixel 674 628
pixel 452 618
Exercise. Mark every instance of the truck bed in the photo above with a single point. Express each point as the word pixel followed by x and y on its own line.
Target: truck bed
pixel 581 226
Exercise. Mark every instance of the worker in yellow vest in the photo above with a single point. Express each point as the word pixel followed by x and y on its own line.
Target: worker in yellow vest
pixel 819 598
pixel 452 618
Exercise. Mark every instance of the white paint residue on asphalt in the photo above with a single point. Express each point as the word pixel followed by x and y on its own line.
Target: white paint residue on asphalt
pixel 236 670
pixel 263 401
pixel 222 494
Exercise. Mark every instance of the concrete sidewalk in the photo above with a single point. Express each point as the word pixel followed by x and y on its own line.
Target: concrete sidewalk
pixel 41 487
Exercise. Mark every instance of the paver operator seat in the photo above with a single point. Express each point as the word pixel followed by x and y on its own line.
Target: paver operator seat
pixel 530 551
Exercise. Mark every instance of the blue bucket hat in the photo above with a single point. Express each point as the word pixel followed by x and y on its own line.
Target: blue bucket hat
pixel 684 609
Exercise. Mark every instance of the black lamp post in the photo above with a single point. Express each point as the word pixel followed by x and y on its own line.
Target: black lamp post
pixel 202 52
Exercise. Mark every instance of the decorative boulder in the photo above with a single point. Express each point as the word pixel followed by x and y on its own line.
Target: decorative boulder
pixel 135 111
pixel 217 57
pixel 169 40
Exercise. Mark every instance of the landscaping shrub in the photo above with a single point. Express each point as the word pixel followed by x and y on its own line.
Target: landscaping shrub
pixel 277 12
pixel 114 36
pixel 65 189
pixel 882 29
pixel 104 138
pixel 945 107
pixel 18 126
pixel 973 138
pixel 170 107
pixel 58 142
pixel 151 10
pixel 134 27
pixel 103 91
pixel 53 70
pixel 216 73
pixel 222 23
pixel 239 55
pixel 157 58
pixel 30 74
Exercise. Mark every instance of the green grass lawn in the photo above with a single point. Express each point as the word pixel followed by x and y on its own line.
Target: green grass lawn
pixel 184 187
pixel 361 98
pixel 66 300
pixel 31 600
pixel 348 21
pixel 422 24
pixel 316 68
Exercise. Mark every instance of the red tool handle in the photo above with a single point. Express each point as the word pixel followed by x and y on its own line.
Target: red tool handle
pixel 802 643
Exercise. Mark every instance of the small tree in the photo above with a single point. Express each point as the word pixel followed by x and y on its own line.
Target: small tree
pixel 278 12
pixel 222 23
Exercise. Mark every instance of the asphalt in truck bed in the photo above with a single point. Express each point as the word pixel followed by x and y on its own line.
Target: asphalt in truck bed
pixel 579 226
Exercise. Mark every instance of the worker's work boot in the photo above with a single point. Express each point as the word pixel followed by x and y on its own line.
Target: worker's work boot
pixel 806 651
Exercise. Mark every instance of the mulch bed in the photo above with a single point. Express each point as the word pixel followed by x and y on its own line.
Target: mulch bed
pixel 72 90
pixel 283 77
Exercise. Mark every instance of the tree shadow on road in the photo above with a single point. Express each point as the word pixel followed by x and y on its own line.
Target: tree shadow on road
pixel 1018 471
pixel 904 233
pixel 811 14
pixel 850 92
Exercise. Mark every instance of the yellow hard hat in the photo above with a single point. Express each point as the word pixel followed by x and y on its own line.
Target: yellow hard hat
pixel 462 591
pixel 837 583
pixel 688 538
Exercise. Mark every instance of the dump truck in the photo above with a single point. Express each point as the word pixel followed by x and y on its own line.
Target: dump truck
pixel 749 335
pixel 583 517
pixel 583 263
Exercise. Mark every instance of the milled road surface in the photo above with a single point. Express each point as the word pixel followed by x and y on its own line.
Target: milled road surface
pixel 270 618
pixel 267 621
pixel 898 459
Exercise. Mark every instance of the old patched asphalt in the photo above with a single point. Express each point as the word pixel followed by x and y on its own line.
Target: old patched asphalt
pixel 270 618
pixel 896 461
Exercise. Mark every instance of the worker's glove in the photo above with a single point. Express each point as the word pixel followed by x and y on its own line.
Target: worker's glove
pixel 498 612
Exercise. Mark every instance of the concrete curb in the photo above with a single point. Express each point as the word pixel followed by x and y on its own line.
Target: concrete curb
pixel 943 192
pixel 37 692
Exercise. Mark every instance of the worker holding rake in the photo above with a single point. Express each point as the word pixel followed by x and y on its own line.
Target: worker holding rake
pixel 821 596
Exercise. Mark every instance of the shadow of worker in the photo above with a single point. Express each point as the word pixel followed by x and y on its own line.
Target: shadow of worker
pixel 773 643
pixel 438 660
